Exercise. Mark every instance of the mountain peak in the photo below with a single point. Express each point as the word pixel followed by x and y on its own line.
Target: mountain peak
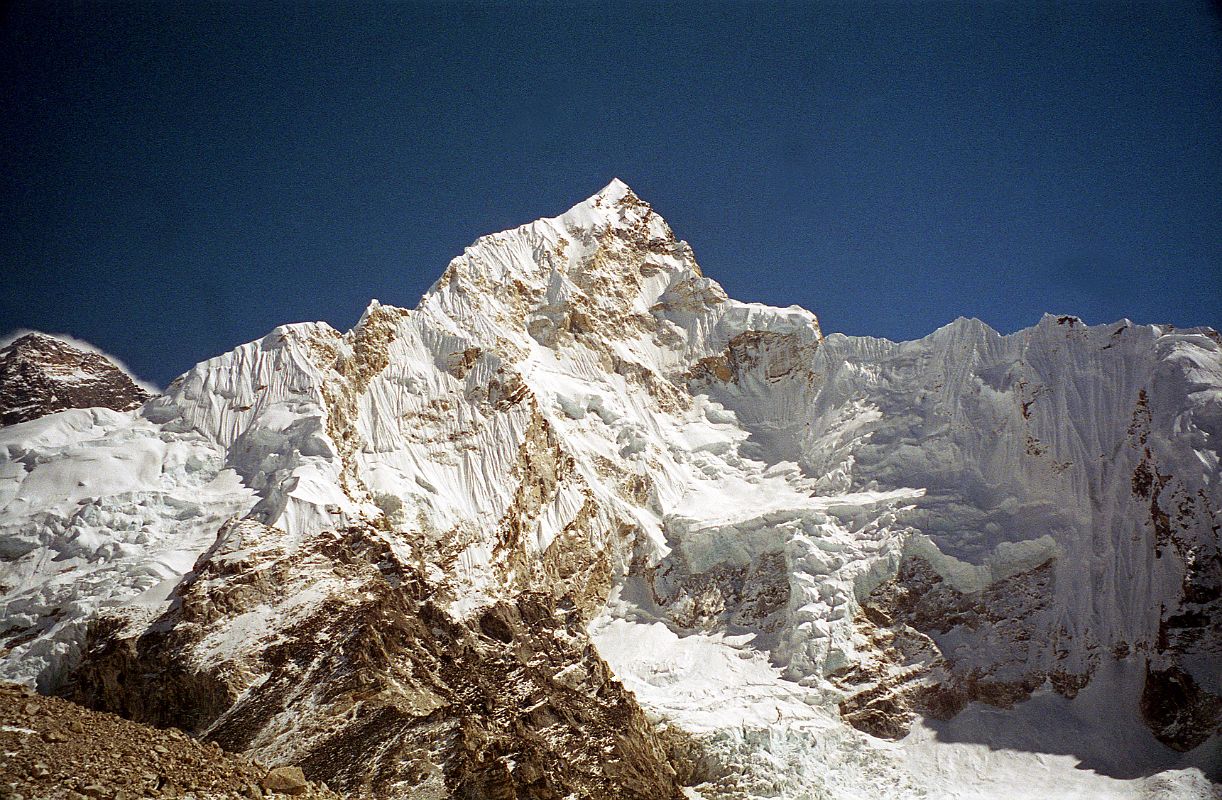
pixel 41 374
pixel 613 206
pixel 615 190
pixel 603 267
pixel 581 521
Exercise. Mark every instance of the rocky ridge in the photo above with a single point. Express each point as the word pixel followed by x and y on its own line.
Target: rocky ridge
pixel 373 684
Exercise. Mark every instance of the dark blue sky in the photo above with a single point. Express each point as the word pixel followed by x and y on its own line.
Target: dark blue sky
pixel 177 179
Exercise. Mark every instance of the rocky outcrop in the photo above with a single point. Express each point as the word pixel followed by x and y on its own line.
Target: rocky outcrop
pixel 933 648
pixel 41 374
pixel 1179 711
pixel 368 684
pixel 60 751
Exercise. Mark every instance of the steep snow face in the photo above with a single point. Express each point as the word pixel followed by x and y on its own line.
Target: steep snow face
pixel 1042 444
pixel 1061 492
pixel 1068 519
pixel 560 339
pixel 264 406
pixel 574 410
pixel 1096 446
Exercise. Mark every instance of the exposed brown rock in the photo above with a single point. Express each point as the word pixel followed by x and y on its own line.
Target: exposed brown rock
pixel 905 673
pixel 56 749
pixel 389 696
pixel 370 344
pixel 285 780
pixel 751 596
pixel 778 354
pixel 1179 712
pixel 1182 524
pixel 40 375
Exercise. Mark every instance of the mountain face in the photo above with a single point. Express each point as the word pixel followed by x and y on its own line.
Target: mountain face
pixel 581 525
pixel 42 374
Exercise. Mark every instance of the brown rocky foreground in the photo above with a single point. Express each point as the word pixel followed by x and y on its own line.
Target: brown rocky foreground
pixel 51 748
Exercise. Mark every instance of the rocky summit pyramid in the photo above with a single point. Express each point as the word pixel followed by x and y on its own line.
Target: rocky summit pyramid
pixel 580 525
pixel 41 374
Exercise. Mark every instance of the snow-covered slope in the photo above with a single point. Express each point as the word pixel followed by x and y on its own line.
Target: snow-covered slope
pixel 770 535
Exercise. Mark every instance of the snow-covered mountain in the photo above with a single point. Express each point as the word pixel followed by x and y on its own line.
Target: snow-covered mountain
pixel 581 525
